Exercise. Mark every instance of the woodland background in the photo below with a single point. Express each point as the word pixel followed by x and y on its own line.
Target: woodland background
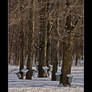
pixel 45 34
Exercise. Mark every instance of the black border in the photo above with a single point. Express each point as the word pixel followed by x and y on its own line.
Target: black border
pixel 87 46
pixel 4 46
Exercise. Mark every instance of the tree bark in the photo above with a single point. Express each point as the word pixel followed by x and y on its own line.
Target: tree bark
pixel 21 49
pixel 67 50
pixel 76 61
pixel 42 39
pixel 54 59
pixel 30 44
pixel 67 61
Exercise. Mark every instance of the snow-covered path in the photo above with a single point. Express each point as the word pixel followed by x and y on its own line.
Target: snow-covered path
pixel 45 85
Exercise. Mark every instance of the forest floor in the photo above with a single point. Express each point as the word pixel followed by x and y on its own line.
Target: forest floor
pixel 45 84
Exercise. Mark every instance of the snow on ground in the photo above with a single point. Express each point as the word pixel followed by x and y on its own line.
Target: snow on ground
pixel 45 89
pixel 45 84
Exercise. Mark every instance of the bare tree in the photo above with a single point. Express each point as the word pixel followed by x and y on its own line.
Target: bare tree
pixel 30 42
pixel 42 38
pixel 72 23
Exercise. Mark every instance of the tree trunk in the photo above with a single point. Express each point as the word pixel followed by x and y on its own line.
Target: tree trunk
pixel 54 59
pixel 42 39
pixel 21 49
pixel 48 48
pixel 76 61
pixel 67 62
pixel 67 50
pixel 30 44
